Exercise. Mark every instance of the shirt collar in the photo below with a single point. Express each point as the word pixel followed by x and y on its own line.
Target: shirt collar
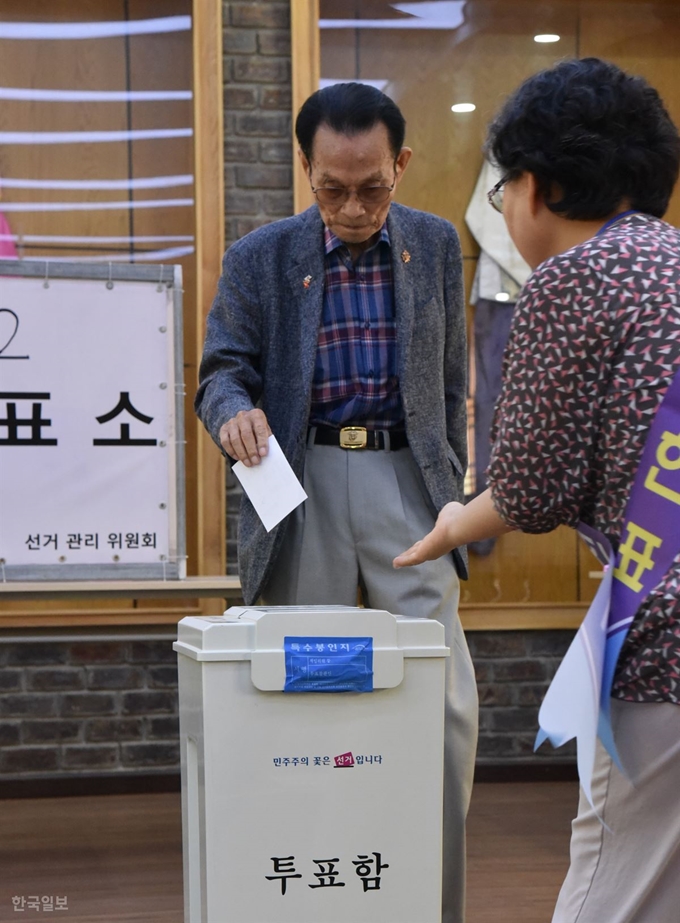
pixel 331 242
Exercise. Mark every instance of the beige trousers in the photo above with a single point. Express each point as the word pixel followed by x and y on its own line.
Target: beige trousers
pixel 365 507
pixel 629 873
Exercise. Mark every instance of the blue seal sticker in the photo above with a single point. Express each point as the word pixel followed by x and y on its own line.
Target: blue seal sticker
pixel 328 664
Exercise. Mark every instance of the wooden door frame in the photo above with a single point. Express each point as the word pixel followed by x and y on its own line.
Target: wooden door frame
pixel 210 242
pixel 305 73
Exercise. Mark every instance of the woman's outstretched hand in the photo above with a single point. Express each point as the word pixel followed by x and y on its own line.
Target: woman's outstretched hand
pixel 438 542
pixel 456 525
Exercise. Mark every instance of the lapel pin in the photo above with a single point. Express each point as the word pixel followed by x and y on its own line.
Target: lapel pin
pixel 307 281
pixel 405 256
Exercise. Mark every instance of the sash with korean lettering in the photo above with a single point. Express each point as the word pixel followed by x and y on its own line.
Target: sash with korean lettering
pixel 578 702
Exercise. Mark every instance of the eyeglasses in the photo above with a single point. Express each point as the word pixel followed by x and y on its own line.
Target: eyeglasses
pixel 495 196
pixel 367 195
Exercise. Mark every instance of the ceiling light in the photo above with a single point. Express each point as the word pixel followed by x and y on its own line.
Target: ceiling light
pixel 463 107
pixel 546 39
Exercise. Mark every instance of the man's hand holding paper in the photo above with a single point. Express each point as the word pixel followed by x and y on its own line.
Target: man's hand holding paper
pixel 271 485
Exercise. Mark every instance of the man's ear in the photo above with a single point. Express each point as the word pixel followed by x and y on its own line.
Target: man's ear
pixel 402 161
pixel 306 166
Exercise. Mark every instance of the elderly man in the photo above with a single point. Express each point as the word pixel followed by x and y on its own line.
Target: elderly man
pixel 342 332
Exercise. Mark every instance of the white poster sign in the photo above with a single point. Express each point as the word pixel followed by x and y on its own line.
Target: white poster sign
pixel 88 427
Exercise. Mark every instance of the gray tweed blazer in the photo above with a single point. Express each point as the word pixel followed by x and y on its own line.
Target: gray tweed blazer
pixel 261 341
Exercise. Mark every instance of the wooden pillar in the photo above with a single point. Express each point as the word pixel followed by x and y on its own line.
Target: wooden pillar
pixel 209 211
pixel 306 71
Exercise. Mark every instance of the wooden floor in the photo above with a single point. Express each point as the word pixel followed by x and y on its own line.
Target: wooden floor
pixel 117 858
pixel 518 850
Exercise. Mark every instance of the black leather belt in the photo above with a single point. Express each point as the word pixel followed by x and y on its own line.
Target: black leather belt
pixel 358 437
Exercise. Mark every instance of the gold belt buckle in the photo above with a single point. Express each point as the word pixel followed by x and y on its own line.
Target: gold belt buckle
pixel 353 437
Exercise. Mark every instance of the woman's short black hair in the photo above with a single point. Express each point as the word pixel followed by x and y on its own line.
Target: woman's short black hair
pixel 349 108
pixel 593 136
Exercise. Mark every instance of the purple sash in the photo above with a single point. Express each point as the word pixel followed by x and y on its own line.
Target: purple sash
pixel 578 702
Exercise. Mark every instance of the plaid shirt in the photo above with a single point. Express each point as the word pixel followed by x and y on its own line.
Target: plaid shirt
pixel 355 375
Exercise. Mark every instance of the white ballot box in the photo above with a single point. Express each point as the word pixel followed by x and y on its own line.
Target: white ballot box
pixel 312 765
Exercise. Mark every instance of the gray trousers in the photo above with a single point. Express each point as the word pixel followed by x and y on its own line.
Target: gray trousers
pixel 629 873
pixel 365 507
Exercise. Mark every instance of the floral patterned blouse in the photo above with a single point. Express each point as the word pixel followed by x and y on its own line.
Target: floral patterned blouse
pixel 594 345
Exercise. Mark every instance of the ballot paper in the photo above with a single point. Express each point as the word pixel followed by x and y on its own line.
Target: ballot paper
pixel 271 486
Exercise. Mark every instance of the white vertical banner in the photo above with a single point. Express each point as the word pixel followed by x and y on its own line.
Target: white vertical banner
pixel 89 428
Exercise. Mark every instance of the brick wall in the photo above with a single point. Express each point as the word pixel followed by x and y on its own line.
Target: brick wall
pixel 514 670
pixel 87 707
pixel 93 707
pixel 258 148
pixel 257 115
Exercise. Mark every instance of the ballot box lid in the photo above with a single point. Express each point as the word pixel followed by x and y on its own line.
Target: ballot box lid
pixel 264 635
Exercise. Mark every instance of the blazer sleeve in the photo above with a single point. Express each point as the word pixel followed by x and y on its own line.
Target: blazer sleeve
pixel 455 362
pixel 230 377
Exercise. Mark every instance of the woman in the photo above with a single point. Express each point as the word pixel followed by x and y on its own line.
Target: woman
pixel 589 158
